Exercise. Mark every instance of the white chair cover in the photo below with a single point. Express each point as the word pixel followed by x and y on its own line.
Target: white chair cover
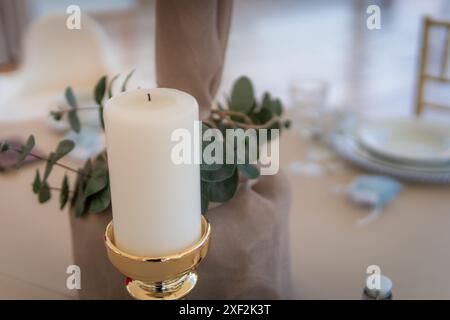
pixel 55 56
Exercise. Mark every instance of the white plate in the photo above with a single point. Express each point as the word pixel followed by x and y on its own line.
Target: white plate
pixel 347 147
pixel 406 140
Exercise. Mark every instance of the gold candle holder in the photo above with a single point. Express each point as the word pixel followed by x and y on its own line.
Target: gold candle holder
pixel 159 278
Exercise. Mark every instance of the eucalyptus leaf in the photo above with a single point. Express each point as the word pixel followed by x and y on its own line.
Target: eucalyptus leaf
pixel 64 147
pixel 26 150
pixel 242 96
pixel 70 98
pixel 4 146
pixel 78 181
pixel 37 182
pixel 49 166
pixel 80 201
pixel 210 167
pixel 95 183
pixel 288 124
pixel 74 121
pixel 98 179
pixel 100 90
pixel 87 169
pixel 100 201
pixel 249 171
pixel 57 115
pixel 262 116
pixel 100 116
pixel 276 107
pixel 125 82
pixel 224 173
pixel 224 190
pixel 44 193
pixel 64 193
pixel 266 101
pixel 204 197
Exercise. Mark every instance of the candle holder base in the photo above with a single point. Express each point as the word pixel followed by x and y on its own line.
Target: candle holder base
pixel 159 278
pixel 167 290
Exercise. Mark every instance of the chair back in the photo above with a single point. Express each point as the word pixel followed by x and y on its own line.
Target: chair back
pixel 426 76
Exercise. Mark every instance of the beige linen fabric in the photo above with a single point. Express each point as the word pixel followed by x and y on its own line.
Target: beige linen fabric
pixel 191 37
pixel 249 253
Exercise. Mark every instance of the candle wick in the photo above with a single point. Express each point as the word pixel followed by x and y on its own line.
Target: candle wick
pixel 149 97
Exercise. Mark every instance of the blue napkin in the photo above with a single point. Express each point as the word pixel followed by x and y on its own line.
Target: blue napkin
pixel 374 191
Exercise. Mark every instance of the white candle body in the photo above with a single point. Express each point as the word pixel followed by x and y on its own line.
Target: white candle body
pixel 155 203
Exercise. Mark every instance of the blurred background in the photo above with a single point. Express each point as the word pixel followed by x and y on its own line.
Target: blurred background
pixel 323 61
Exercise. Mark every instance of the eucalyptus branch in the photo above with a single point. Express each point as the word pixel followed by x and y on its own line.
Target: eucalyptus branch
pixel 211 124
pixel 224 113
pixel 266 125
pixel 56 163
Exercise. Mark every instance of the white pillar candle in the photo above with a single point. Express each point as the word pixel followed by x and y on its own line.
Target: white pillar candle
pixel 155 203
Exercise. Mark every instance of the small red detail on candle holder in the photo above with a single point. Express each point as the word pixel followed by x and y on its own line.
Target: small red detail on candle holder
pixel 128 280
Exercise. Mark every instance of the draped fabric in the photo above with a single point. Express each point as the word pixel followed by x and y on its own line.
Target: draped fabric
pixel 13 17
pixel 191 38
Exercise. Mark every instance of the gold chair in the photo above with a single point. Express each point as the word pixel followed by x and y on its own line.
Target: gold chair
pixel 424 76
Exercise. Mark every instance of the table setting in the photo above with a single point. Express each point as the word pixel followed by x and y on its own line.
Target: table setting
pixel 90 157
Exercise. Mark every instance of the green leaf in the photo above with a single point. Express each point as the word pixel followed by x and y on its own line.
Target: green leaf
pixel 87 169
pixel 70 98
pixel 263 116
pixel 111 84
pixel 224 173
pixel 64 147
pixel 204 197
pixel 49 166
pixel 288 124
pixel 266 101
pixel 249 171
pixel 64 194
pixel 125 82
pixel 78 180
pixel 79 200
pixel 74 121
pixel 210 167
pixel 100 89
pixel 95 184
pixel 98 179
pixel 44 193
pixel 242 96
pixel 276 107
pixel 100 116
pixel 100 201
pixel 37 183
pixel 4 146
pixel 57 115
pixel 224 190
pixel 26 150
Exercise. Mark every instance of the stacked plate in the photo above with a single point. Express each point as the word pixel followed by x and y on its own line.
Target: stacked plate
pixel 408 148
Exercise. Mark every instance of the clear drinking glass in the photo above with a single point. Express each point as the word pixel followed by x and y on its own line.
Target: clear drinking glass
pixel 308 97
